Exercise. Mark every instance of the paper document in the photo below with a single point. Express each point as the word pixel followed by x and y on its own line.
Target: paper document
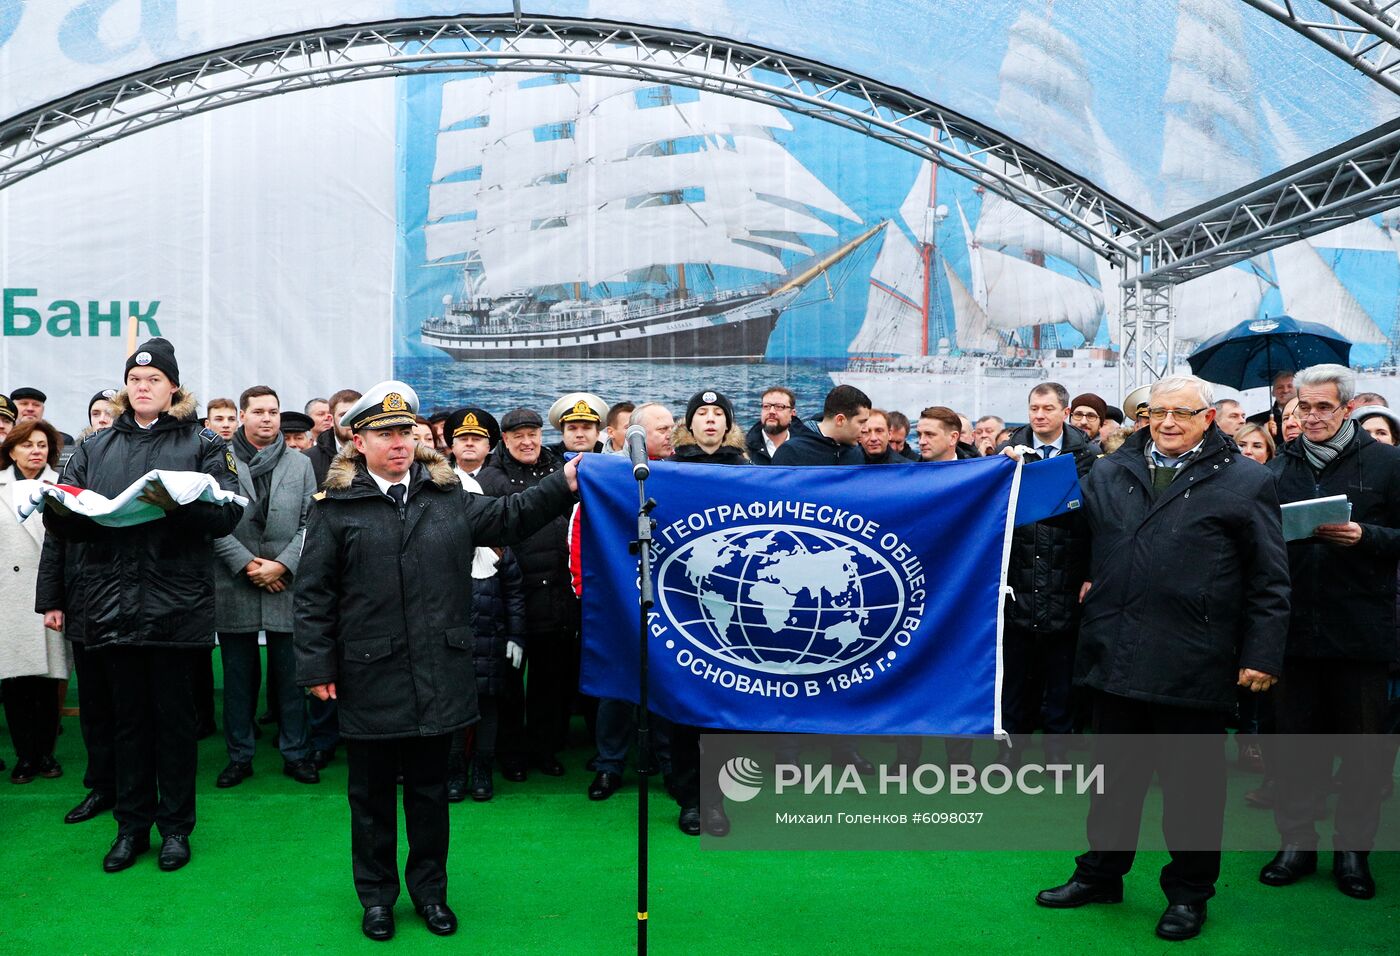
pixel 1301 517
pixel 184 487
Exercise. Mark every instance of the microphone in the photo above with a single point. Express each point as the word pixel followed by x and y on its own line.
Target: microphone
pixel 637 451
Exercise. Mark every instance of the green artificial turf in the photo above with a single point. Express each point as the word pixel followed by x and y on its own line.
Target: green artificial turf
pixel 541 869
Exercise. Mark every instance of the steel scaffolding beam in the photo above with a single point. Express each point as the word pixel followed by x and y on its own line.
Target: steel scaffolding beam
pixel 1363 33
pixel 173 91
pixel 1146 342
pixel 1357 180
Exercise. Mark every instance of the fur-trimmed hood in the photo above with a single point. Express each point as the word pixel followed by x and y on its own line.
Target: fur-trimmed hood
pixel 347 463
pixel 734 438
pixel 183 405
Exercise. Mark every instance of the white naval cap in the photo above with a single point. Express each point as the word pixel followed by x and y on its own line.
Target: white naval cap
pixel 385 405
pixel 578 407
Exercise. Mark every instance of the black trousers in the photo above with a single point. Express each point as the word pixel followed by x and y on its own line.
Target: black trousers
pixel 1188 755
pixel 156 751
pixel 1038 673
pixel 202 685
pixel 31 710
pixel 1314 700
pixel 97 719
pixel 374 827
pixel 551 681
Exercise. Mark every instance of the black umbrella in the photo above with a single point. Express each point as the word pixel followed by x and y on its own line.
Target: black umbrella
pixel 1250 354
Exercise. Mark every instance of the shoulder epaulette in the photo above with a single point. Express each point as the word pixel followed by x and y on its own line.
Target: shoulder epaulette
pixel 209 435
pixel 318 496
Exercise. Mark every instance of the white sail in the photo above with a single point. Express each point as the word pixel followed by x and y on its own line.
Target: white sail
pixel 1312 293
pixel 1215 302
pixel 974 261
pixel 1117 174
pixel 894 317
pixel 1020 293
pixel 974 332
pixel 1109 277
pixel 1364 234
pixel 1045 86
pixel 591 179
pixel 918 205
pixel 1003 223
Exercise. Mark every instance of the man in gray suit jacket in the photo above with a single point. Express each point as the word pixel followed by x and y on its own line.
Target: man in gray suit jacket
pixel 253 570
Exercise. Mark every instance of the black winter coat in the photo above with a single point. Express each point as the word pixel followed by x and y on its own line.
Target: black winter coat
pixel 1344 598
pixel 753 441
pixel 384 603
pixel 498 616
pixel 322 454
pixel 150 584
pixel 1187 587
pixel 59 587
pixel 888 457
pixel 808 446
pixel 550 604
pixel 1050 559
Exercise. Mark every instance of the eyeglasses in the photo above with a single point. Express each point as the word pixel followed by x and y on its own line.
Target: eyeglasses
pixel 1084 415
pixel 774 407
pixel 1178 414
pixel 1320 412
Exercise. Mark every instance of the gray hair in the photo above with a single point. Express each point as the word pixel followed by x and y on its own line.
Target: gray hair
pixel 639 414
pixel 1177 383
pixel 1225 403
pixel 1338 375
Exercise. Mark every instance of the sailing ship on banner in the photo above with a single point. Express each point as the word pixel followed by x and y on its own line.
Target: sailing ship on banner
pixel 588 215
pixel 1030 286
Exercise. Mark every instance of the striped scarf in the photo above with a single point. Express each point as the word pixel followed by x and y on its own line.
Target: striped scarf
pixel 1322 454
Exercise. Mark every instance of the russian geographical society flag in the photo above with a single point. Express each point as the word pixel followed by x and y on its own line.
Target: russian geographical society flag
pixel 862 599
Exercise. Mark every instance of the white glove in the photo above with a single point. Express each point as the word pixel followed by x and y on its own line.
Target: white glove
pixel 515 653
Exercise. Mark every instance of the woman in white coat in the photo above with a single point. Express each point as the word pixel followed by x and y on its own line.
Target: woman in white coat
pixel 34 660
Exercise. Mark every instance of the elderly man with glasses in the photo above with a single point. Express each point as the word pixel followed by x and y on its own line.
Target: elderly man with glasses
pixel 1187 598
pixel 1341 638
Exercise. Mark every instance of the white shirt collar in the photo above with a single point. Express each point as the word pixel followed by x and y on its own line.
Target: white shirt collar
pixel 384 483
pixel 1058 444
pixel 768 444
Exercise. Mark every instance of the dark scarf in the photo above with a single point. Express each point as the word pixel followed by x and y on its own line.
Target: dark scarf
pixel 261 463
pixel 1322 454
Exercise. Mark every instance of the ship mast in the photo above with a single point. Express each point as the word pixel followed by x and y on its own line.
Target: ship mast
pixel 926 252
pixel 829 260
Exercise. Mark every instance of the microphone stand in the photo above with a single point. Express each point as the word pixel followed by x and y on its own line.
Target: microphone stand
pixel 645 768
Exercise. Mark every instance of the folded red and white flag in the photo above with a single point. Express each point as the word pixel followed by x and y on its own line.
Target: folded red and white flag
pixel 126 509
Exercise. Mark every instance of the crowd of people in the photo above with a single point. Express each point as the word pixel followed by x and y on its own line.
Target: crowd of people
pixel 433 636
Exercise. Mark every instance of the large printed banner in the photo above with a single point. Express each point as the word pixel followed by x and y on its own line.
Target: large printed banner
pixel 812 600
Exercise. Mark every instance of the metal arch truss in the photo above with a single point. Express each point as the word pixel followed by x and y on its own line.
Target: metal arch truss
pixel 1363 33
pixel 1146 346
pixel 1358 180
pixel 176 90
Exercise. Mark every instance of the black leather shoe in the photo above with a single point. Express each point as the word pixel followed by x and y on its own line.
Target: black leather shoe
pixel 1289 865
pixel 125 849
pixel 456 779
pixel 1078 893
pixel 50 768
pixel 174 852
pixel 24 772
pixel 483 788
pixel 690 821
pixel 716 822
pixel 441 921
pixel 550 766
pixel 1182 921
pixel 233 775
pixel 302 771
pixel 514 772
pixel 93 804
pixel 378 923
pixel 1352 872
pixel 604 785
pixel 322 758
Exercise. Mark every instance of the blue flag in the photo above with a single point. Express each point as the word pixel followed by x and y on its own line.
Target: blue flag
pixel 815 600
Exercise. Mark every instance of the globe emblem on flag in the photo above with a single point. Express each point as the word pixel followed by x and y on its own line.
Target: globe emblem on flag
pixel 782 599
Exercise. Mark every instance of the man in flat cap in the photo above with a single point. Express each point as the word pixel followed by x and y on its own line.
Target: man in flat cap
pixel 391 541
pixel 29 403
pixel 521 461
pixel 579 415
pixel 147 597
pixel 471 434
pixel 296 430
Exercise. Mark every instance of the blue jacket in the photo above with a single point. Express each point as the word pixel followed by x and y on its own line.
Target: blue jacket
pixel 808 446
